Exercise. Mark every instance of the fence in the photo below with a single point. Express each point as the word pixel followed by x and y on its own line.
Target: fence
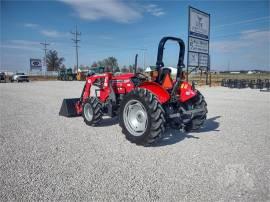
pixel 215 79
pixel 41 73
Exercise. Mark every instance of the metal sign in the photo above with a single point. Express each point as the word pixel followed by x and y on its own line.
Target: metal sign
pixel 203 60
pixel 198 38
pixel 199 23
pixel 35 64
pixel 193 59
pixel 198 45
pixel 198 59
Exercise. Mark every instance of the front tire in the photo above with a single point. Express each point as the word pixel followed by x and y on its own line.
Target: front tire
pixel 141 117
pixel 92 111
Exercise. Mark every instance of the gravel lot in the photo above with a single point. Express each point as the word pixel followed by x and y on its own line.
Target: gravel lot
pixel 47 157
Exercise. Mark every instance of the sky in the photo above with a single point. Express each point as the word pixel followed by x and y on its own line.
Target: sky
pixel 239 31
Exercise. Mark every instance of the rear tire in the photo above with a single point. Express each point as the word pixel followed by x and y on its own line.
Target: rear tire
pixel 141 117
pixel 92 111
pixel 196 123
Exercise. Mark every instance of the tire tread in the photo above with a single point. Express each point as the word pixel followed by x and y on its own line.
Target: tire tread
pixel 97 110
pixel 156 116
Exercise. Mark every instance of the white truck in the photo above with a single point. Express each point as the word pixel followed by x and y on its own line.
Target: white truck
pixel 19 77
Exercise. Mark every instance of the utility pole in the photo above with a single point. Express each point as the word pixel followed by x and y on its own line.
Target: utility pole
pixel 229 64
pixel 76 40
pixel 45 51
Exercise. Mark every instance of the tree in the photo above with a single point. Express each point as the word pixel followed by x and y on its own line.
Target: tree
pixel 100 63
pixel 111 61
pixel 63 67
pixel 53 61
pixel 124 69
pixel 108 62
pixel 116 69
pixel 130 68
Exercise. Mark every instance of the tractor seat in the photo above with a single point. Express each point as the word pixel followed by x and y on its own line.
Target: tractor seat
pixel 166 80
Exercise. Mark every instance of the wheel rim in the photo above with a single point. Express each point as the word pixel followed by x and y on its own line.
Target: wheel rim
pixel 88 112
pixel 135 117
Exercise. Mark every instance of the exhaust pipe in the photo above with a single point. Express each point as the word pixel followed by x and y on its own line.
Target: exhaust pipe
pixel 135 65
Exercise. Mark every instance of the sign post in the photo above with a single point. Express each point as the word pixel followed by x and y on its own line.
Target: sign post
pixel 198 39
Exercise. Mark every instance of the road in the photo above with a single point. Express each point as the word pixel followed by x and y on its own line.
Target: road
pixel 47 157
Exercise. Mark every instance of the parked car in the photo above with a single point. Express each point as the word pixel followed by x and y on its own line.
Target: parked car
pixel 19 77
pixel 2 77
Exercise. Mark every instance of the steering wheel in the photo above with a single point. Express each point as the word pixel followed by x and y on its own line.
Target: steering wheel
pixel 141 76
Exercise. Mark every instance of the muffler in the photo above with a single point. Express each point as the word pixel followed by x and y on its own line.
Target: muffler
pixel 68 108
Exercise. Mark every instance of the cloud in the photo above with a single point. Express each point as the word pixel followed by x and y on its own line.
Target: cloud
pixel 21 44
pixel 18 47
pixel 247 39
pixel 53 33
pixel 24 42
pixel 115 10
pixel 104 9
pixel 44 31
pixel 243 22
pixel 154 10
pixel 250 50
pixel 30 25
pixel 259 36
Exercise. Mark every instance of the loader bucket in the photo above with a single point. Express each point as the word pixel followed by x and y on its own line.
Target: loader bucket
pixel 68 107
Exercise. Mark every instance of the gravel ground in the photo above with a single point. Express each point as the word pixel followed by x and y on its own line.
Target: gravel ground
pixel 47 157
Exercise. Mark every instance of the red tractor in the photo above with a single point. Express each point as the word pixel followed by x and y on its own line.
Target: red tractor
pixel 144 107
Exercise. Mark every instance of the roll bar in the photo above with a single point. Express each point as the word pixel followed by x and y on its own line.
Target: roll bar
pixel 180 63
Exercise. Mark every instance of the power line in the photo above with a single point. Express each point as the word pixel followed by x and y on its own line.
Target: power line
pixel 45 52
pixel 76 41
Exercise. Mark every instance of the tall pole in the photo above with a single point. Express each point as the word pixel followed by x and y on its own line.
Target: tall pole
pixel 208 71
pixel 228 65
pixel 76 40
pixel 45 51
